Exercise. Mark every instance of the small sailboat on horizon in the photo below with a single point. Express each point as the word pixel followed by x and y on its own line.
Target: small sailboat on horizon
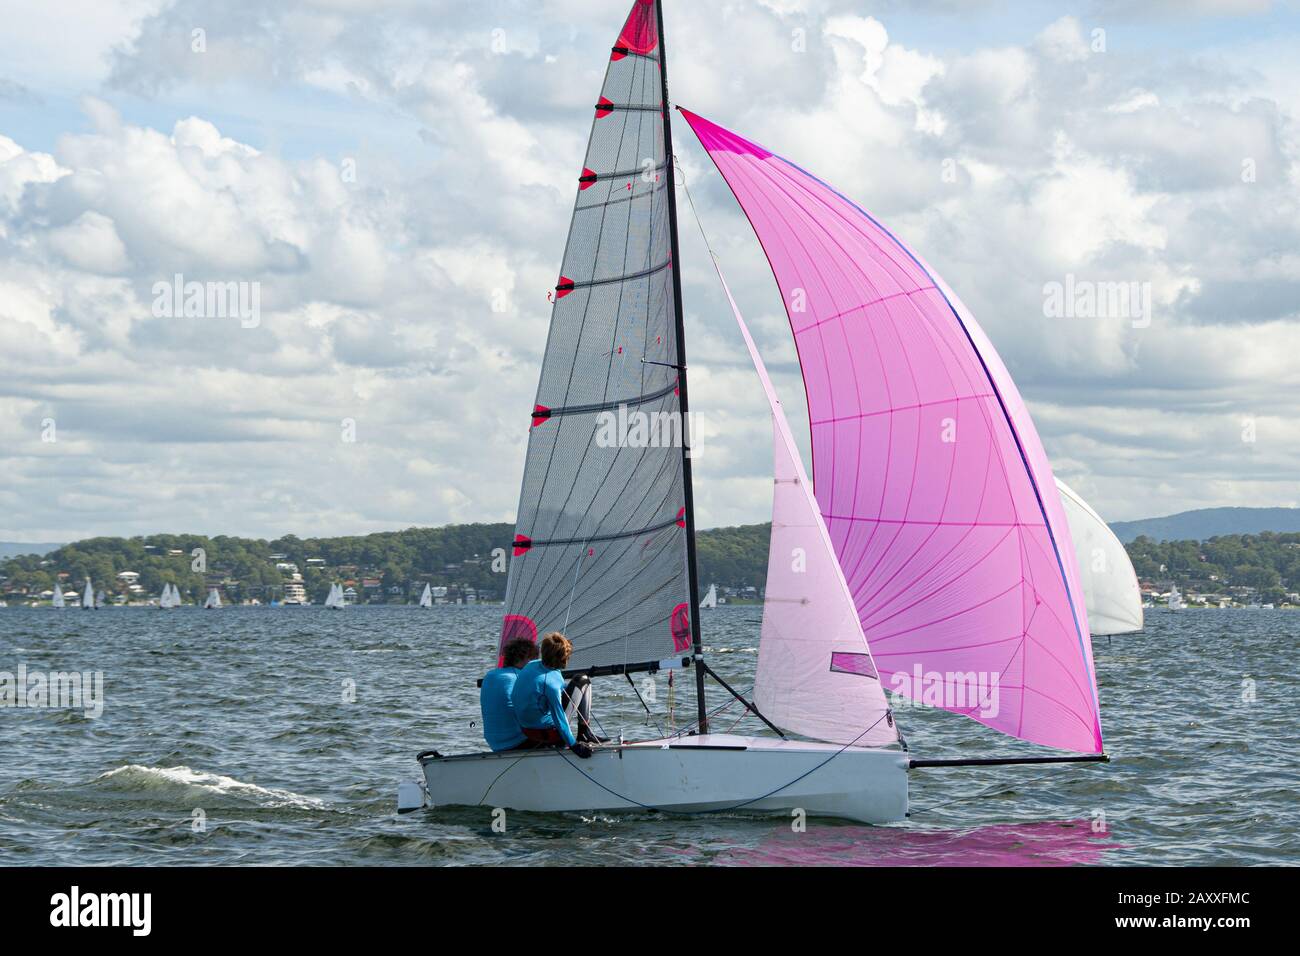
pixel 88 597
pixel 426 596
pixel 170 597
pixel 1175 601
pixel 334 600
pixel 58 600
pixel 213 602
pixel 710 600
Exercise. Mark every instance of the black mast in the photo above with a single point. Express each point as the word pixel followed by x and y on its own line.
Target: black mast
pixel 692 576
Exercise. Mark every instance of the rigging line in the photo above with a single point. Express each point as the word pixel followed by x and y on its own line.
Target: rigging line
pixel 508 768
pixel 576 569
pixel 688 730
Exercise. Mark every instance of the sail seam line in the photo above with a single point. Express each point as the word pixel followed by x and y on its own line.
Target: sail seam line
pixel 902 408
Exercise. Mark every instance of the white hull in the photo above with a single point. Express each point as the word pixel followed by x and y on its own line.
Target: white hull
pixel 712 772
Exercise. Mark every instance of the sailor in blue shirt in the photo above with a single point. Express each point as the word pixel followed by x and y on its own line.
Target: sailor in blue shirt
pixel 500 725
pixel 540 698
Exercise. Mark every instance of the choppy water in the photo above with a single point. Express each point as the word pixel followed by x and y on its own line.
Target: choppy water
pixel 241 719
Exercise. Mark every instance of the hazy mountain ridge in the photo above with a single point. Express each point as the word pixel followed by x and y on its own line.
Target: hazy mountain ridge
pixel 1205 523
pixel 11 549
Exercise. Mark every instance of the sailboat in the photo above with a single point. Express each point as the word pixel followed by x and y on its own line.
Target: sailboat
pixel 213 601
pixel 911 561
pixel 1110 585
pixel 710 600
pixel 1176 602
pixel 88 597
pixel 334 600
pixel 426 597
pixel 57 599
pixel 170 597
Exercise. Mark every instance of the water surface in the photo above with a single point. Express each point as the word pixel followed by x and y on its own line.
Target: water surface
pixel 284 731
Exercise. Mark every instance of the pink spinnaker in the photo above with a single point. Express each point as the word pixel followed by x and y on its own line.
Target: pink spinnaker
pixel 932 481
pixel 815 674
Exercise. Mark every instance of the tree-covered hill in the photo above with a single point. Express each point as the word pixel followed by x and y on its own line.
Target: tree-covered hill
pixel 390 565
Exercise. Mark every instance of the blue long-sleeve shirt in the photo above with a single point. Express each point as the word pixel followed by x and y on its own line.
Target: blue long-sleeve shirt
pixel 500 724
pixel 539 700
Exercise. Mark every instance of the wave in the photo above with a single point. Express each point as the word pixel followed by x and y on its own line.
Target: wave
pixel 195 786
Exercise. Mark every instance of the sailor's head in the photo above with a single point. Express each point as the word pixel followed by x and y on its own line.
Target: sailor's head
pixel 556 650
pixel 518 652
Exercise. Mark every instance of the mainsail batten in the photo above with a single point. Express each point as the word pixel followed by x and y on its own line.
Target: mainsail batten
pixel 927 468
pixel 600 549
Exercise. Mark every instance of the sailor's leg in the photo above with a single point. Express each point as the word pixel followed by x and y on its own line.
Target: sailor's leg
pixel 577 698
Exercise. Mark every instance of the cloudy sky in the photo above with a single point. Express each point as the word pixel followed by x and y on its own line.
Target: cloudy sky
pixel 397 177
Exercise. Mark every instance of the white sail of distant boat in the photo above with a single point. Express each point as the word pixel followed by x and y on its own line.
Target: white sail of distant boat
pixel 88 596
pixel 1110 585
pixel 169 597
pixel 58 601
pixel 213 602
pixel 1176 602
pixel 710 600
pixel 99 599
pixel 426 597
pixel 334 600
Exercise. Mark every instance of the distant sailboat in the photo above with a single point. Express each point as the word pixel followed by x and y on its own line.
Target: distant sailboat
pixel 334 600
pixel 710 600
pixel 1176 602
pixel 426 598
pixel 170 597
pixel 213 603
pixel 57 600
pixel 88 596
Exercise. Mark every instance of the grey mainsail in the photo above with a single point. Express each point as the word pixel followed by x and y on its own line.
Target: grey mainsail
pixel 601 544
